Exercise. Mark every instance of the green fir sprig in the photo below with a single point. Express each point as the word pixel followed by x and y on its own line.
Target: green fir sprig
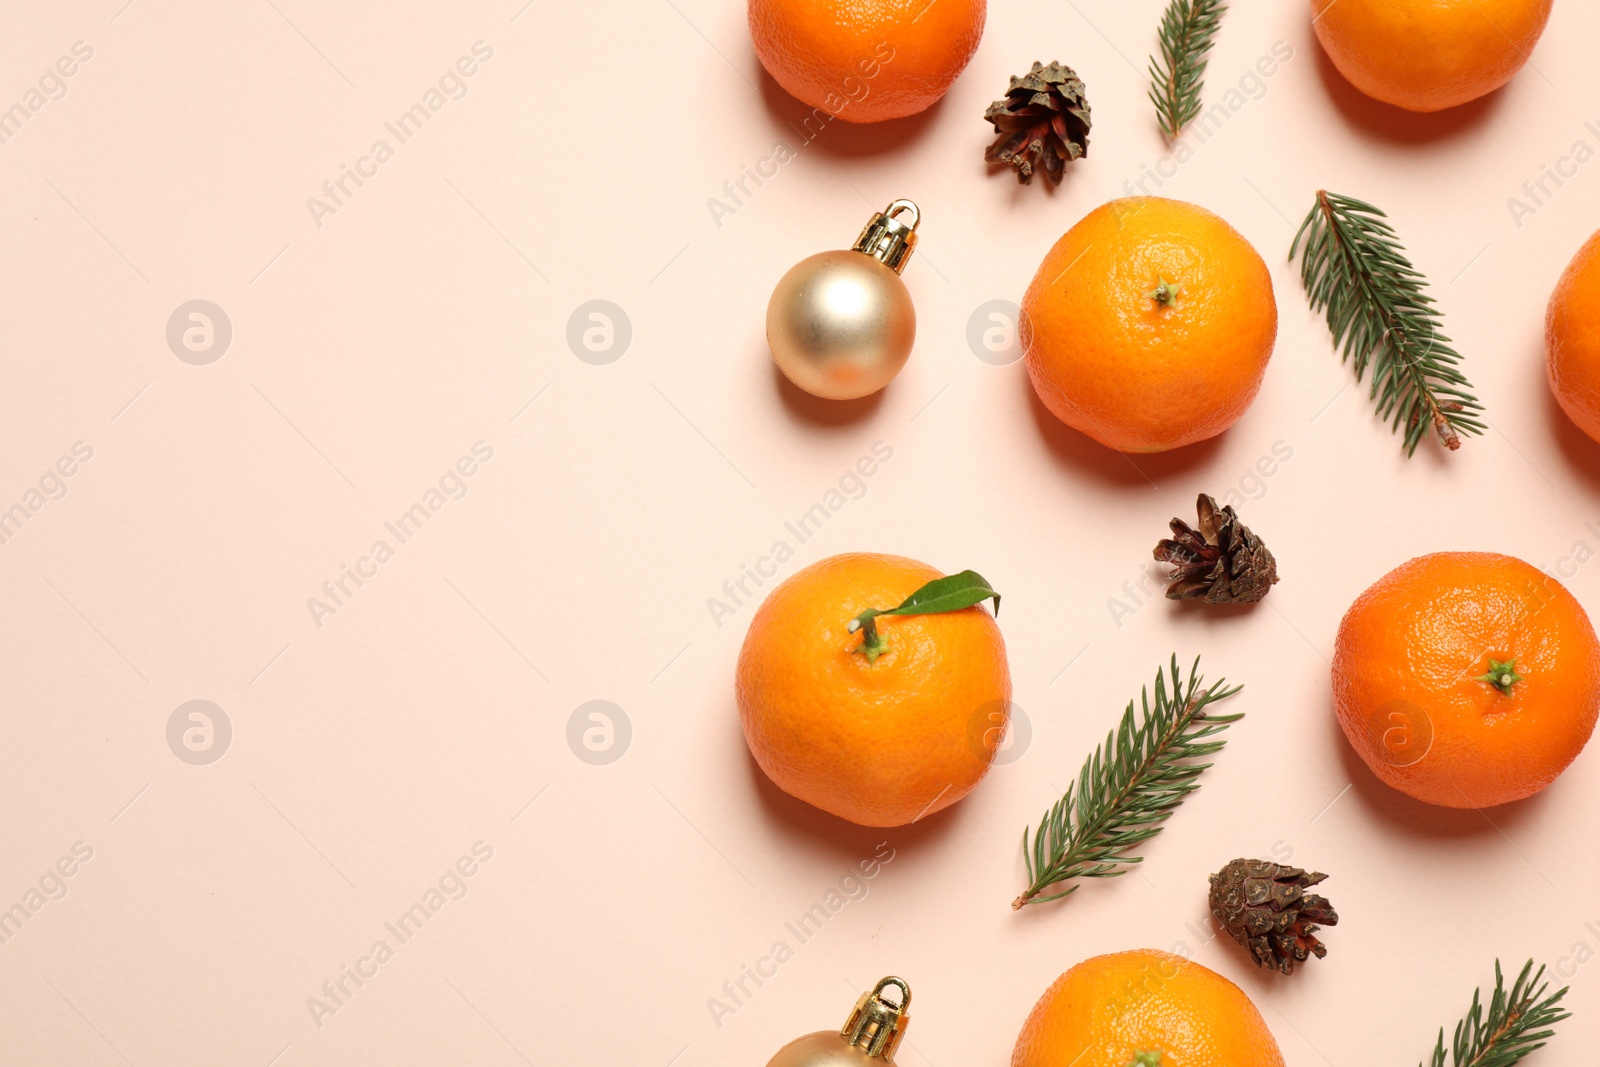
pixel 1516 1023
pixel 1188 30
pixel 1129 787
pixel 1377 305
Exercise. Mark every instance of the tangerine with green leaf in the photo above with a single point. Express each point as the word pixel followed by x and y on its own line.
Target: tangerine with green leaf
pixel 859 683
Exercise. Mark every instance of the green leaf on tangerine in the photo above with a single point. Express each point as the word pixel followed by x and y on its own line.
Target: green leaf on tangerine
pixel 954 592
pixel 951 593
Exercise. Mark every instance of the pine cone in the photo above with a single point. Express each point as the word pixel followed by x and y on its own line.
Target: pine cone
pixel 1222 561
pixel 1266 909
pixel 1042 122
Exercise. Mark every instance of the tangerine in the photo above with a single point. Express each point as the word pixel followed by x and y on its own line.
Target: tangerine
pixel 880 741
pixel 1572 339
pixel 1144 1008
pixel 1149 325
pixel 1427 55
pixel 1467 679
pixel 866 60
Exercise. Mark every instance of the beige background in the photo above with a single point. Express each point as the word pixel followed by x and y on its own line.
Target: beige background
pixel 430 710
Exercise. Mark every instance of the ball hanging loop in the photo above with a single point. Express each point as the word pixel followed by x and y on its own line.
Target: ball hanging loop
pixel 876 1025
pixel 888 237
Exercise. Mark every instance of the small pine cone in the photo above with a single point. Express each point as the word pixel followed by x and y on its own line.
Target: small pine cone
pixel 1222 561
pixel 1266 909
pixel 1043 123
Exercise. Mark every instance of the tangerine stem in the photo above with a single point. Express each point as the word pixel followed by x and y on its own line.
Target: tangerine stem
pixel 1165 293
pixel 873 644
pixel 1501 675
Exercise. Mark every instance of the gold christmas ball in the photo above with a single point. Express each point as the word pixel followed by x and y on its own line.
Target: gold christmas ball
pixel 841 324
pixel 868 1038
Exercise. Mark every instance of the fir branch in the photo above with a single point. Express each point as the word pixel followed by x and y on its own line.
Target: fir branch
pixel 1379 310
pixel 1128 788
pixel 1517 1022
pixel 1188 30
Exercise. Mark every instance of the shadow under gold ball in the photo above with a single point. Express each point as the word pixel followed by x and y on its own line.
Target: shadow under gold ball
pixel 841 323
